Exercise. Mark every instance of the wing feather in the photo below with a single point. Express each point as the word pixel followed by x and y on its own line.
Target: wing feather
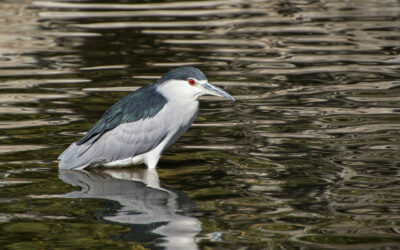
pixel 124 141
pixel 143 103
pixel 132 126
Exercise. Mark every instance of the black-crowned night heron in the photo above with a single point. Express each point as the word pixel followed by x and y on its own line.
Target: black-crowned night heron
pixel 140 126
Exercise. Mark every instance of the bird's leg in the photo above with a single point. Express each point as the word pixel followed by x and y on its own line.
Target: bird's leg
pixel 151 159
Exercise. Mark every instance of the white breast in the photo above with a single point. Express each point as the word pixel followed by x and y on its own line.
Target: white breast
pixel 182 115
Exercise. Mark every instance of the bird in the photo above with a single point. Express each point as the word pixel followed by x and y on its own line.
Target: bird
pixel 140 126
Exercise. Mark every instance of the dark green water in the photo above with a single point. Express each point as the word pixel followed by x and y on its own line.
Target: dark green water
pixel 306 158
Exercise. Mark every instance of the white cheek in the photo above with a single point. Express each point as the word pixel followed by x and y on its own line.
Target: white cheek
pixel 179 89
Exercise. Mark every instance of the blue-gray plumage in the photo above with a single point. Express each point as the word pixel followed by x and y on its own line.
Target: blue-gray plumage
pixel 143 103
pixel 141 125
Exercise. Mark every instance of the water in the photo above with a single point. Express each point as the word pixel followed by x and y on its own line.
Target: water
pixel 306 158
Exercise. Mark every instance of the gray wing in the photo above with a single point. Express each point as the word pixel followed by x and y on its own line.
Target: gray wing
pixel 143 103
pixel 123 141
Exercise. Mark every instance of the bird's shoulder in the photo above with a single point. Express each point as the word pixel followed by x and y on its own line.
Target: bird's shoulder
pixel 142 103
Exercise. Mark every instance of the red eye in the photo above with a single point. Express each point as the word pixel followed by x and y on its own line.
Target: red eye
pixel 191 81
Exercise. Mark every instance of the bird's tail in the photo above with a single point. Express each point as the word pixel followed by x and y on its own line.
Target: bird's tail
pixel 71 157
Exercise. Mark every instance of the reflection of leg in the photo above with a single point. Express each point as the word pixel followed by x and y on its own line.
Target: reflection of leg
pixel 147 176
pixel 150 178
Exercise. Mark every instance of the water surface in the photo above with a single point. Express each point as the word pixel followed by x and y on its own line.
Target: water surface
pixel 306 158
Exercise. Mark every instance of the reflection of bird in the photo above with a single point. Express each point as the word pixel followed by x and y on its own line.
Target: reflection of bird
pixel 151 212
pixel 141 125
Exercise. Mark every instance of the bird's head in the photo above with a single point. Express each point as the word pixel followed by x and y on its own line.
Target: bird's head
pixel 188 82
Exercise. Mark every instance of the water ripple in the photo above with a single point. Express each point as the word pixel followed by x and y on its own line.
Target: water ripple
pixel 306 157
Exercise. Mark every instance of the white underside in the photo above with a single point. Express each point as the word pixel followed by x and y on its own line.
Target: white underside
pixel 150 159
pixel 126 162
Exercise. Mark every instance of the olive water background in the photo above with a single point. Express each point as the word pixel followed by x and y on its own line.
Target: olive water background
pixel 306 158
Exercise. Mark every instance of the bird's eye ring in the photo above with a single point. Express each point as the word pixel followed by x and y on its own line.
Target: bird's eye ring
pixel 191 81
